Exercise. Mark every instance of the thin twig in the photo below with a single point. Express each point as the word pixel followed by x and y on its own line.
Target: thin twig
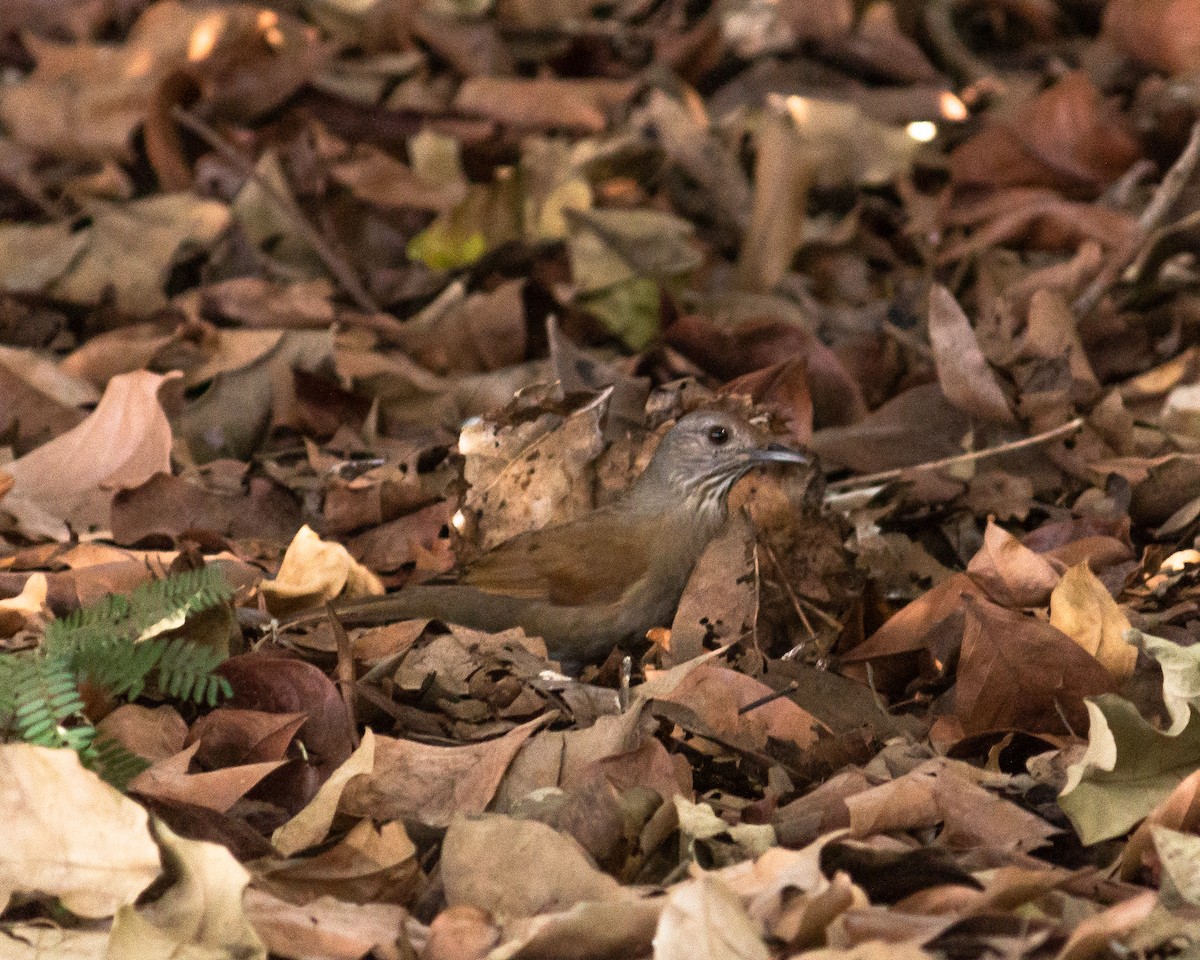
pixel 770 698
pixel 334 263
pixel 1160 205
pixel 886 476
pixel 787 588
pixel 956 55
pixel 808 605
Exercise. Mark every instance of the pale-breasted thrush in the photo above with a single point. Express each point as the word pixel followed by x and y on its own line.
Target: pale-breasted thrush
pixel 613 574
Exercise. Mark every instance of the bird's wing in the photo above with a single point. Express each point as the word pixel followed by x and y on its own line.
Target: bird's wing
pixel 592 561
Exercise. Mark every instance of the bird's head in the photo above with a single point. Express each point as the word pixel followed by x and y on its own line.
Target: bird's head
pixel 704 454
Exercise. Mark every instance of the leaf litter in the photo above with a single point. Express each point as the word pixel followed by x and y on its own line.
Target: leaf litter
pixel 336 295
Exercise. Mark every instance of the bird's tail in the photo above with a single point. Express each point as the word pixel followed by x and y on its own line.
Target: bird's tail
pixel 453 603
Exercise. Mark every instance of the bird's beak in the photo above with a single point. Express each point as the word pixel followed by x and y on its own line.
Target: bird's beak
pixel 778 453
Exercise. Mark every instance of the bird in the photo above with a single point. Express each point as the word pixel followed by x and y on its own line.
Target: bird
pixel 587 585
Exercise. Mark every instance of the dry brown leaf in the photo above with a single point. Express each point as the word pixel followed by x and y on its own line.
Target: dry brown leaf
pixel 720 599
pixel 169 779
pixel 314 572
pixel 229 736
pixel 1083 609
pixel 70 835
pixel 519 868
pixel 27 608
pixel 327 927
pixel 1066 137
pixel 717 694
pixel 1009 572
pixel 967 380
pixel 948 793
pixel 370 864
pixel 1019 673
pixel 125 441
pixel 419 783
pixel 310 826
pixel 153 734
pixel 543 103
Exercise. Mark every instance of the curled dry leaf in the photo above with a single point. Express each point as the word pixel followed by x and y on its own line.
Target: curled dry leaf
pixel 1010 573
pixel 201 914
pixel 949 793
pixel 967 380
pixel 314 572
pixel 26 608
pixel 310 826
pixel 170 779
pixel 531 473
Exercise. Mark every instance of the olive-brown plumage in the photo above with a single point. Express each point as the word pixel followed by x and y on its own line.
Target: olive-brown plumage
pixel 614 573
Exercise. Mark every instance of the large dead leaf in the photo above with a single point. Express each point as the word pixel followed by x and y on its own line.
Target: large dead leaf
pixel 431 785
pixel 200 914
pixel 70 835
pixel 1019 673
pixel 125 441
pixel 519 868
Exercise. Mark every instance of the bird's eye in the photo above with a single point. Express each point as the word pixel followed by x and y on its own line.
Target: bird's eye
pixel 718 435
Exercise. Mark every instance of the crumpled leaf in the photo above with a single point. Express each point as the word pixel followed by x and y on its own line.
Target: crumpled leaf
pixel 310 826
pixel 1128 768
pixel 314 572
pixel 1181 677
pixel 420 783
pixel 703 920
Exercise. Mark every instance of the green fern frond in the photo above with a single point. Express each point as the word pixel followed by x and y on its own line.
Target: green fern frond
pixel 45 699
pixel 114 645
pixel 115 763
pixel 150 609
